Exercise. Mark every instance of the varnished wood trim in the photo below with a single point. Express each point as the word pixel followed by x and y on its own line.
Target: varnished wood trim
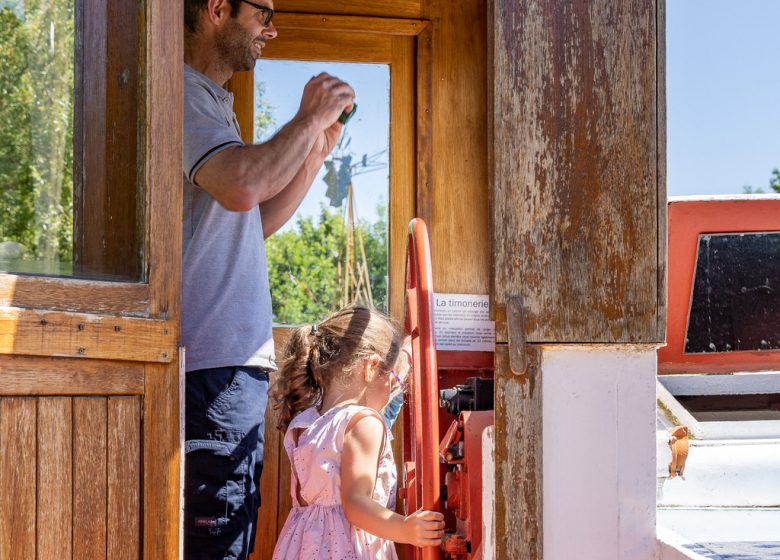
pixel 242 84
pixel 382 8
pixel 403 166
pixel 424 136
pixel 26 375
pixel 350 24
pixel 70 294
pixel 161 462
pixel 35 332
pixel 163 116
pixel 318 45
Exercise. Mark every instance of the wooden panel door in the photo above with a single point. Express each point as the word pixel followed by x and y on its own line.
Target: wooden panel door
pixel 90 377
pixel 403 45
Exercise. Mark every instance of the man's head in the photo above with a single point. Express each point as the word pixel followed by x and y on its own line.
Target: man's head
pixel 238 29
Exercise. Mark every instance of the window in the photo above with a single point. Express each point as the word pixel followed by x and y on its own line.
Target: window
pixel 334 250
pixel 70 86
pixel 384 155
pixel 735 304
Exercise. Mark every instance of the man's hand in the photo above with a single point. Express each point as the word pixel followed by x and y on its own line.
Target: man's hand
pixel 324 98
pixel 327 140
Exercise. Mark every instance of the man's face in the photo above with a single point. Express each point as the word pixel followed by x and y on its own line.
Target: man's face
pixel 239 42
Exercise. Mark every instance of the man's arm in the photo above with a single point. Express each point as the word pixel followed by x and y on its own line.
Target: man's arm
pixel 241 177
pixel 276 211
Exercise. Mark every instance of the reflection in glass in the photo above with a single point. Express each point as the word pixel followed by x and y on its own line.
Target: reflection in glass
pixel 735 303
pixel 36 136
pixel 334 249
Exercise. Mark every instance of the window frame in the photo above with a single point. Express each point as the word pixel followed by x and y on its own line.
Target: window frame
pixel 402 44
pixel 93 308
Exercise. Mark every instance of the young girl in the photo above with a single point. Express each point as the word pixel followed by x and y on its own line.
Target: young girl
pixel 335 377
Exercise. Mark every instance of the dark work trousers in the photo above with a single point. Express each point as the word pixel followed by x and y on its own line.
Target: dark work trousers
pixel 223 419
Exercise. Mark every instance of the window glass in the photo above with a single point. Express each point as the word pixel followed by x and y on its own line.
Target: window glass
pixel 735 303
pixel 334 250
pixel 36 136
pixel 70 116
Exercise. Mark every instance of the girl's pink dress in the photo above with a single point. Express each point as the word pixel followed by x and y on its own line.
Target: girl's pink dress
pixel 320 530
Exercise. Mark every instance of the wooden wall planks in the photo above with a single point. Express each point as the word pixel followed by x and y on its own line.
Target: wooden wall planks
pixel 458 229
pixel 123 447
pixel 33 376
pixel 577 208
pixel 38 332
pixel 70 476
pixel 54 484
pixel 18 464
pixel 576 187
pixel 90 495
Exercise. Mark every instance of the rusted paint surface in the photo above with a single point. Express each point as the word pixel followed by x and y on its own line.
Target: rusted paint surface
pixel 575 213
pixel 518 521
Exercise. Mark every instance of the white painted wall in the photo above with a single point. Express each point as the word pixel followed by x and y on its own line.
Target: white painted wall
pixel 488 494
pixel 599 446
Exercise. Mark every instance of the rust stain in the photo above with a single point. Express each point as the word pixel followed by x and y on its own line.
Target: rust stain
pixel 575 168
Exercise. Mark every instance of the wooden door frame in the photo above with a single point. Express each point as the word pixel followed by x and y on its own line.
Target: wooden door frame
pixel 405 45
pixel 69 336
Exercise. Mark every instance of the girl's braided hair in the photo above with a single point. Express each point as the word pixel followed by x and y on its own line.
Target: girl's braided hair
pixel 314 355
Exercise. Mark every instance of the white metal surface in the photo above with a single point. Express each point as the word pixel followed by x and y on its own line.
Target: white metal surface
pixel 598 405
pixel 488 494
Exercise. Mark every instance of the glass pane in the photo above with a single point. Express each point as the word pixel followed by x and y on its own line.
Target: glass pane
pixel 734 305
pixel 334 249
pixel 69 115
pixel 36 136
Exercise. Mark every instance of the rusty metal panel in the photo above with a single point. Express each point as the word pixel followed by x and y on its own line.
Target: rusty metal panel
pixel 577 213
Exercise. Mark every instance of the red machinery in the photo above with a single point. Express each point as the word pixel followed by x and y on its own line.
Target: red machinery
pixel 431 456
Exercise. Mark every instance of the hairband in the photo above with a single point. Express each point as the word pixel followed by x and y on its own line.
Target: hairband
pixel 313 329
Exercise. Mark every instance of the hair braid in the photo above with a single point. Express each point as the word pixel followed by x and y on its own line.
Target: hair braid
pixel 314 356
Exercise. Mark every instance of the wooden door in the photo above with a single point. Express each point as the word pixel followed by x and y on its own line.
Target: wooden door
pixel 577 207
pixel 403 45
pixel 89 368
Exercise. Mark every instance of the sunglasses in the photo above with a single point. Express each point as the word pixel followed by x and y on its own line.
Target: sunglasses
pixel 401 384
pixel 268 13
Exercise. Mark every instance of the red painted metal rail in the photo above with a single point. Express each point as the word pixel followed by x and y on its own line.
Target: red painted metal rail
pixel 421 417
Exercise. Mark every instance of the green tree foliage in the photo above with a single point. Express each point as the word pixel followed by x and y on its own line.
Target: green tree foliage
pixel 303 265
pixel 264 118
pixel 774 185
pixel 36 126
pixel 774 181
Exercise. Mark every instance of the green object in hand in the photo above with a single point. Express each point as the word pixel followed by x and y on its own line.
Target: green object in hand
pixel 344 117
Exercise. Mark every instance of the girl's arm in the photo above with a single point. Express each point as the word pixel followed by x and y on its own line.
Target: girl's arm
pixel 362 446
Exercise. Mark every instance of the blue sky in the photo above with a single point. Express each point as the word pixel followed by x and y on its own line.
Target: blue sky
pixel 369 128
pixel 723 95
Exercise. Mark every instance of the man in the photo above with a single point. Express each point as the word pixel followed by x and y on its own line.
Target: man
pixel 234 196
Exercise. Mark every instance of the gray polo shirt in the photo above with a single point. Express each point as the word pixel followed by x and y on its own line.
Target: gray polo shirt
pixel 226 303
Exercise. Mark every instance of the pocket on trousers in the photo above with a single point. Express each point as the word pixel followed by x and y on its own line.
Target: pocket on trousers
pixel 216 486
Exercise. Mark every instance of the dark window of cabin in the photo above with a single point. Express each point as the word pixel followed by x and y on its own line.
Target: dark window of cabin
pixel 735 303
